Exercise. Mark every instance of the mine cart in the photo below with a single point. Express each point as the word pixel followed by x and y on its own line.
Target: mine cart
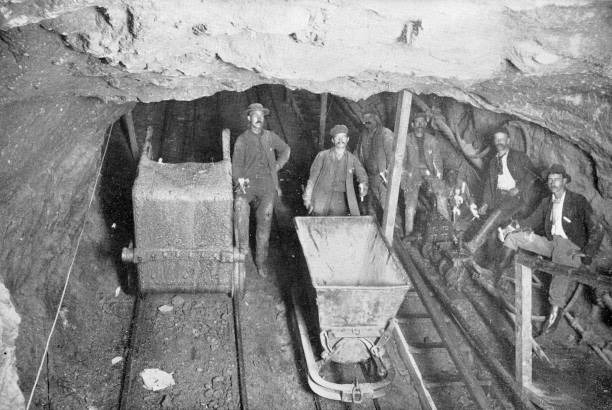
pixel 183 226
pixel 359 285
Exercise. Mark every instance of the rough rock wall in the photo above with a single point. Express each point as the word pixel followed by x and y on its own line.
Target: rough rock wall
pixel 49 153
pixel 10 395
pixel 548 62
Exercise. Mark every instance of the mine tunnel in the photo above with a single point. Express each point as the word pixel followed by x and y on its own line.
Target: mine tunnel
pixel 122 284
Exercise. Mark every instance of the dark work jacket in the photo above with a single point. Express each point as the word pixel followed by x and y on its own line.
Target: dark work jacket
pixel 579 222
pixel 271 144
pixel 375 150
pixel 523 172
pixel 318 189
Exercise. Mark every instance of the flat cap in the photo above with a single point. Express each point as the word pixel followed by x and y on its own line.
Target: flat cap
pixel 257 107
pixel 419 115
pixel 338 129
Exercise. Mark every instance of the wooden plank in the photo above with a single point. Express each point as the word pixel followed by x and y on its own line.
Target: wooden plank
pixel 522 330
pixel 582 274
pixel 423 274
pixel 322 120
pixel 472 384
pixel 128 120
pixel 402 117
pixel 418 382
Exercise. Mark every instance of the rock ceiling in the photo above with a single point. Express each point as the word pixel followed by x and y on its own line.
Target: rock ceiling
pixel 548 62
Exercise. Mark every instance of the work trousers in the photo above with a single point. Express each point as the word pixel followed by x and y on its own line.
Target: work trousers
pixel 261 194
pixel 411 186
pixel 377 191
pixel 508 205
pixel 560 250
pixel 332 204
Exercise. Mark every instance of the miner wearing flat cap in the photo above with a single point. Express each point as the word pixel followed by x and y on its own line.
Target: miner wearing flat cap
pixel 330 189
pixel 572 236
pixel 258 155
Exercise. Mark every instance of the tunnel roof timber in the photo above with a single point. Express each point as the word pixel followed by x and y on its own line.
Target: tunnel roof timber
pixel 549 62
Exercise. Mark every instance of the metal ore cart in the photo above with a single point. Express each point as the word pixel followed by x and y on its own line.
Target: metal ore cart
pixel 359 285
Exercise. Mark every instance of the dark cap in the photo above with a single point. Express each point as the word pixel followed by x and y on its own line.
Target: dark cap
pixel 257 107
pixel 558 169
pixel 419 115
pixel 500 131
pixel 338 129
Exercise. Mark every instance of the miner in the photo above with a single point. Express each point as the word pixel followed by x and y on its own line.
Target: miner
pixel 375 151
pixel 330 189
pixel 258 155
pixel 510 187
pixel 572 236
pixel 422 164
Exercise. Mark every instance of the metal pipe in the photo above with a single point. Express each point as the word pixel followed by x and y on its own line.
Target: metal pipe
pixel 482 234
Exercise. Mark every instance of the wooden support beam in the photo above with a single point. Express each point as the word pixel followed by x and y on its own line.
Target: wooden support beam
pixel 416 377
pixel 424 273
pixel 129 125
pixel 402 117
pixel 431 305
pixel 322 120
pixel 581 275
pixel 522 329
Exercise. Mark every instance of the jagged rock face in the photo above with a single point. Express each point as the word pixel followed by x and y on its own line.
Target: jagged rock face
pixel 10 395
pixel 547 62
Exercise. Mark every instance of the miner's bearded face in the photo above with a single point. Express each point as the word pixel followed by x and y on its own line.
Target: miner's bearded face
pixel 369 121
pixel 556 183
pixel 501 142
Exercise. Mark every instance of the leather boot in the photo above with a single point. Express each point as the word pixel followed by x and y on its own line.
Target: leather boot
pixel 552 321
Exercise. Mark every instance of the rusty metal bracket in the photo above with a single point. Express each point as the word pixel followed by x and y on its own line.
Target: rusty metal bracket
pixel 143 255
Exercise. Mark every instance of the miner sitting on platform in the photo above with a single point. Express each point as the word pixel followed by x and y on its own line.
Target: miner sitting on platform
pixel 572 238
pixel 330 190
pixel 254 173
pixel 422 164
pixel 510 187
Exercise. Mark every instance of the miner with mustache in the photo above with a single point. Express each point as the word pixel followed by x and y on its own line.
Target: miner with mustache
pixel 330 189
pixel 258 155
pixel 572 236
pixel 510 186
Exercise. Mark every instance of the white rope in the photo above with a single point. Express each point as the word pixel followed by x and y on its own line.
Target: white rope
pixel 76 250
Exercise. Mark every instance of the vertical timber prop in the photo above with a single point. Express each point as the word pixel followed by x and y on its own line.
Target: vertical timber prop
pixel 128 121
pixel 322 120
pixel 522 298
pixel 402 116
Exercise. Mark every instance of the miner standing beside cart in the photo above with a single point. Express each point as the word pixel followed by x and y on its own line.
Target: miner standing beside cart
pixel 330 190
pixel 258 155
